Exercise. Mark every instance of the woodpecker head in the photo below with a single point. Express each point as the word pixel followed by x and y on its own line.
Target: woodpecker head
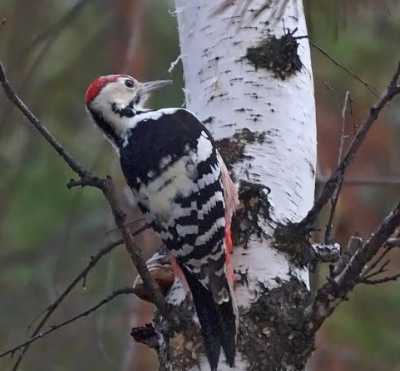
pixel 113 99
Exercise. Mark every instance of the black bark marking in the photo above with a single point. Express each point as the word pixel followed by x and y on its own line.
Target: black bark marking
pixel 233 149
pixel 252 214
pixel 278 55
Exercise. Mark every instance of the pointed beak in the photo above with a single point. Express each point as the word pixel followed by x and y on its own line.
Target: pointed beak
pixel 150 86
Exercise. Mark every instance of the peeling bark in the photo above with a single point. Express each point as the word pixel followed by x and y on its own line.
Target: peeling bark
pixel 262 116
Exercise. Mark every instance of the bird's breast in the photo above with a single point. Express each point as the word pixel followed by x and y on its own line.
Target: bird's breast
pixel 160 192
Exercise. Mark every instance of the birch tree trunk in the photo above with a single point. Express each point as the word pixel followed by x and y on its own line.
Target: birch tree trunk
pixel 259 105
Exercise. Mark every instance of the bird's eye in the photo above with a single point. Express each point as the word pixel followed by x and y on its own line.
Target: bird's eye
pixel 129 83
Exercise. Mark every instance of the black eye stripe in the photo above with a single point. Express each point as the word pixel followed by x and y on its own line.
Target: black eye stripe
pixel 129 83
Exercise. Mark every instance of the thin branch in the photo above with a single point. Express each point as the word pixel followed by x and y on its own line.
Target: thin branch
pixel 135 254
pixel 48 38
pixel 354 244
pixel 393 242
pixel 173 64
pixel 378 281
pixel 368 270
pixel 331 185
pixel 382 269
pixel 335 198
pixel 389 181
pixel 56 28
pixel 368 86
pixel 13 97
pixel 340 283
pixel 129 223
pixel 112 296
pixel 79 278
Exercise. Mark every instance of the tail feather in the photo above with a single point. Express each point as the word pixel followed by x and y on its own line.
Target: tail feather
pixel 217 321
pixel 227 317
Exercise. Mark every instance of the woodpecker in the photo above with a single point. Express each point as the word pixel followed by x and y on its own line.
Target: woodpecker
pixel 183 188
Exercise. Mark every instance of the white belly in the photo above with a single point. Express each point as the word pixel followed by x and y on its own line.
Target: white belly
pixel 159 195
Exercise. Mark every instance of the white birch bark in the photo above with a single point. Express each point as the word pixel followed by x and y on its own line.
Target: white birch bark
pixel 224 89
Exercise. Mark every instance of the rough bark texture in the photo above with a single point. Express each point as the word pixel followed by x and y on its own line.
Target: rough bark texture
pixel 250 81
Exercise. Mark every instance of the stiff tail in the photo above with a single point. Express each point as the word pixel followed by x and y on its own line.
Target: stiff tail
pixel 217 321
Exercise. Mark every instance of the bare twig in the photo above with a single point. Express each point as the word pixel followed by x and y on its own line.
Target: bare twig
pixel 382 269
pixel 135 254
pixel 13 97
pixel 56 28
pixel 48 37
pixel 173 64
pixel 393 242
pixel 368 270
pixel 331 185
pixel 378 281
pixel 41 335
pixel 354 244
pixel 335 198
pixel 79 278
pixel 129 223
pixel 340 283
pixel 389 181
pixel 368 86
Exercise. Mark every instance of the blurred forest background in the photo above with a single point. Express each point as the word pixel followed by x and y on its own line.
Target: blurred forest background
pixel 52 50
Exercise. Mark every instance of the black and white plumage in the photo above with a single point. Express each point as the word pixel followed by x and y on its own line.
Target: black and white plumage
pixel 182 186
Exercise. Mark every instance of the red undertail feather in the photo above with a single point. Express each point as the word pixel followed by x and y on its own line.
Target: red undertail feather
pixel 231 204
pixel 228 255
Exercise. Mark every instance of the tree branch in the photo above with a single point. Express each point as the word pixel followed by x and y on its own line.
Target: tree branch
pixel 56 28
pixel 13 97
pixel 371 89
pixel 365 181
pixel 330 186
pixel 335 198
pixel 112 296
pixel 80 277
pixel 342 281
pixel 378 281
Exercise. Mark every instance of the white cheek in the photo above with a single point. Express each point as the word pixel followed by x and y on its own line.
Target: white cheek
pixel 101 105
pixel 122 99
